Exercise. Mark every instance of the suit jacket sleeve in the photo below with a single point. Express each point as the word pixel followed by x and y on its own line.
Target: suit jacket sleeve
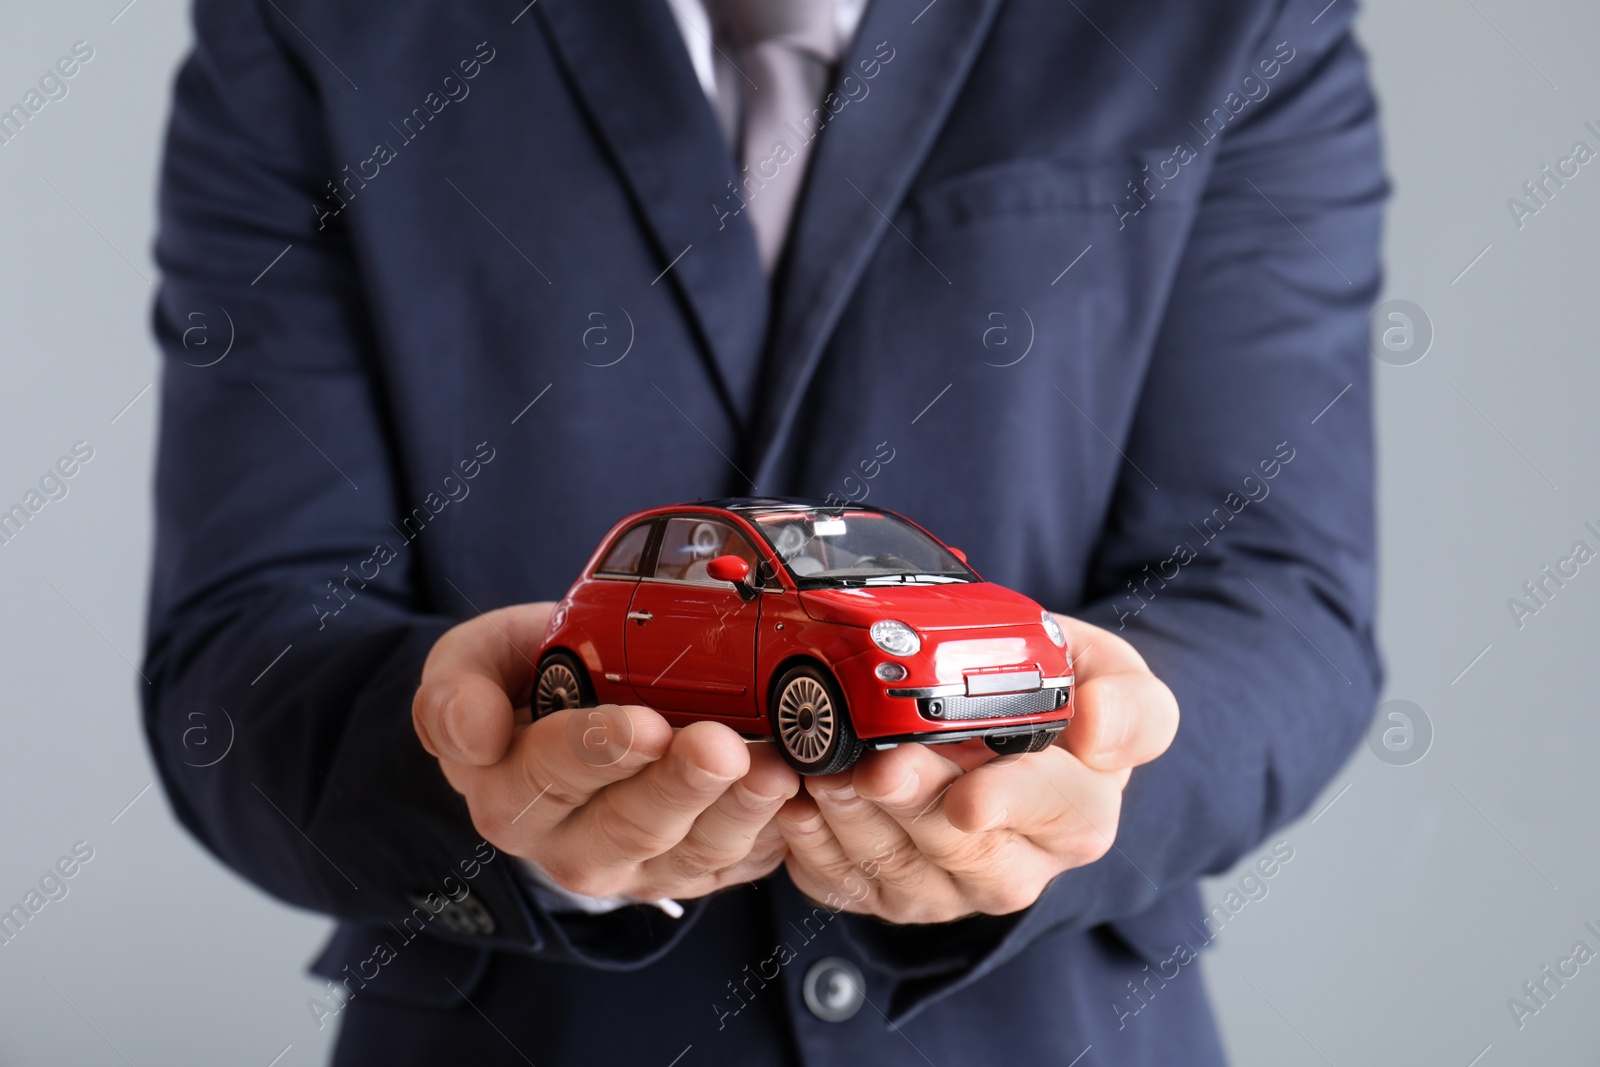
pixel 1264 631
pixel 287 632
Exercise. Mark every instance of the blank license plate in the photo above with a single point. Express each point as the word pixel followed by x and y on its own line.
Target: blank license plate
pixel 982 685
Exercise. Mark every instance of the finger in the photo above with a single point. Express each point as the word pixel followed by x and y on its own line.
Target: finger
pixel 464 707
pixel 1098 650
pixel 871 839
pixel 632 820
pixel 817 863
pixel 908 785
pixel 1124 716
pixel 732 827
pixel 558 764
pixel 1049 798
pixel 464 719
pixel 1122 720
pixel 766 856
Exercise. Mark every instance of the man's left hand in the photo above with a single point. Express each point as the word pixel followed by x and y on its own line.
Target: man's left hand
pixel 927 835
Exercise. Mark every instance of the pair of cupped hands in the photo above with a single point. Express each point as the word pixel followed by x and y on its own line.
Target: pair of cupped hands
pixel 613 801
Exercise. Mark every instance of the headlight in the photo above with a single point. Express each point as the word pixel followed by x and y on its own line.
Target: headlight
pixel 1053 628
pixel 895 638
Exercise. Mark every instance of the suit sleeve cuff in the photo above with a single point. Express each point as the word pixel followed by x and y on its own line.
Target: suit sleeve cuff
pixel 556 899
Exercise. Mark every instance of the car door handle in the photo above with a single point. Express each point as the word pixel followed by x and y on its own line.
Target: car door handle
pixel 640 616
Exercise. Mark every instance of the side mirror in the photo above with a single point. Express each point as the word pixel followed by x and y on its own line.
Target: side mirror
pixel 728 569
pixel 957 553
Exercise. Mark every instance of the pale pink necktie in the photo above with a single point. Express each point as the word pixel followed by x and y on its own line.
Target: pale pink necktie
pixel 784 51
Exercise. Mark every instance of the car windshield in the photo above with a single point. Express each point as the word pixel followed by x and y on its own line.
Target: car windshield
pixel 824 548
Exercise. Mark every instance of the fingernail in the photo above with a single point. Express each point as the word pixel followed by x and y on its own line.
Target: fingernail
pixel 810 825
pixel 1115 741
pixel 841 794
pixel 452 733
pixel 754 800
pixel 700 778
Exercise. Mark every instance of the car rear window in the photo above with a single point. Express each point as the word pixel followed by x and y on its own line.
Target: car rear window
pixel 627 552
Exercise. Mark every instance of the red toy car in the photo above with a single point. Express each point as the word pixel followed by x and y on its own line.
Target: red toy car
pixel 828 628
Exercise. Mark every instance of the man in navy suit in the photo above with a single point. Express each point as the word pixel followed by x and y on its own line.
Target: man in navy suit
pixel 1082 288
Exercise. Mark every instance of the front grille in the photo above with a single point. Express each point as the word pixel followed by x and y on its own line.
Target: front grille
pixel 1002 706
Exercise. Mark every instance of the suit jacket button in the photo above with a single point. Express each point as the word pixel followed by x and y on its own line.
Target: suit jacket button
pixel 464 916
pixel 834 989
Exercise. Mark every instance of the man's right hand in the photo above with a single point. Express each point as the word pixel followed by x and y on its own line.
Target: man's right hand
pixel 608 800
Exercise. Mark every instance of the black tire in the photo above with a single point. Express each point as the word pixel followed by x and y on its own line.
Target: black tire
pixel 1017 744
pixel 811 724
pixel 562 683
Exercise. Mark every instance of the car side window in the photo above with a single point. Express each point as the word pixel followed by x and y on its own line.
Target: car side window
pixel 688 544
pixel 627 552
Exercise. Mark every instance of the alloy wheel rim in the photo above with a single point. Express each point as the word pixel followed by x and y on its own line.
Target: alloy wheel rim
pixel 557 690
pixel 806 720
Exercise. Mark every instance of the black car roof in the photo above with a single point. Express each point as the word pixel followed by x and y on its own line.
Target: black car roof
pixel 779 503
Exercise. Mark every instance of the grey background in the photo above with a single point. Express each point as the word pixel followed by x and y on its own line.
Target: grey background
pixel 1420 897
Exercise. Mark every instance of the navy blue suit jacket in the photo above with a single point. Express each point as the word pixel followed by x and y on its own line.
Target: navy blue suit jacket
pixel 1096 275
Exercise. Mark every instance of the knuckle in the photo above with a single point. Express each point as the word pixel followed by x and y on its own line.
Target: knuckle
pixel 561 871
pixel 987 852
pixel 493 824
pixel 912 911
pixel 539 776
pixel 556 790
pixel 693 860
pixel 842 878
pixel 766 859
pixel 1090 847
pixel 1009 897
pixel 628 838
pixel 591 882
pixel 900 867
pixel 1005 890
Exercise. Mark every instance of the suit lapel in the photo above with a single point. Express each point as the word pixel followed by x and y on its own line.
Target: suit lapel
pixel 863 163
pixel 628 63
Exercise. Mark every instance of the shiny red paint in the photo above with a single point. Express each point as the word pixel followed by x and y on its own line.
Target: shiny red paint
pixel 702 649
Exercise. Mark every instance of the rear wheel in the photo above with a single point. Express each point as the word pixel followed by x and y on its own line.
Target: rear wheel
pixel 1016 744
pixel 562 684
pixel 811 723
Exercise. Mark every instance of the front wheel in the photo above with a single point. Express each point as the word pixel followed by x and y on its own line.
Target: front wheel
pixel 562 684
pixel 1016 744
pixel 811 724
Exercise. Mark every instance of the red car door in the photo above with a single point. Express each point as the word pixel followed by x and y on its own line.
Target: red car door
pixel 602 603
pixel 691 641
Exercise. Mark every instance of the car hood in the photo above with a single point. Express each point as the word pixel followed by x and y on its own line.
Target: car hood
pixel 962 606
